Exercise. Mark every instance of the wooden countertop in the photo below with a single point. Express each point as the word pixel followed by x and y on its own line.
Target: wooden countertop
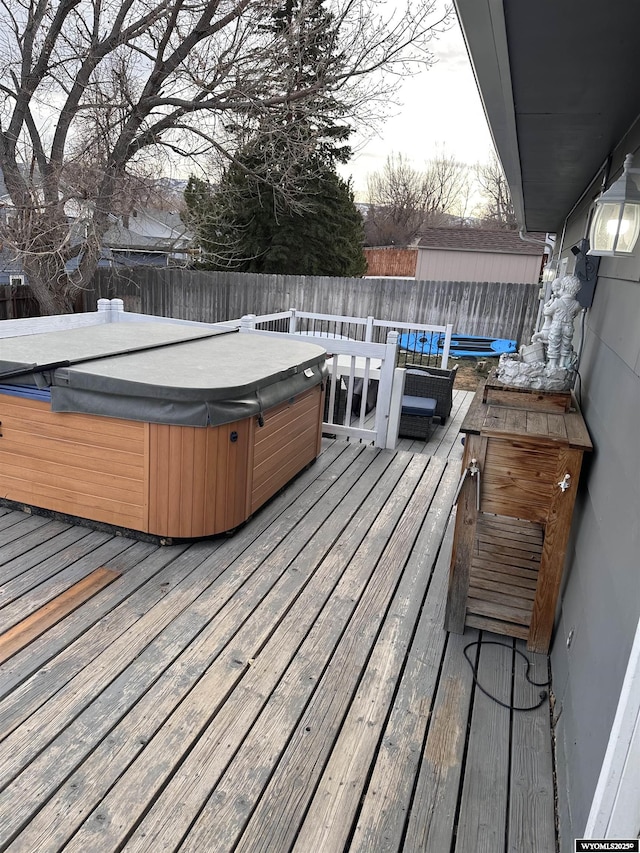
pixel 566 428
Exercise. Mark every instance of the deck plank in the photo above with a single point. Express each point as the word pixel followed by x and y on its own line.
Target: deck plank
pixel 44 655
pixel 118 612
pixel 531 803
pixel 107 762
pixel 287 687
pixel 444 440
pixel 431 822
pixel 41 563
pixel 19 538
pixel 485 788
pixel 284 674
pixel 448 435
pixel 275 820
pixel 165 753
pixel 39 596
pixel 387 799
pixel 331 814
pixel 46 719
pixel 37 623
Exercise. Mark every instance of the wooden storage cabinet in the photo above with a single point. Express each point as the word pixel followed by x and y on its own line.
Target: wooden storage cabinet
pixel 508 555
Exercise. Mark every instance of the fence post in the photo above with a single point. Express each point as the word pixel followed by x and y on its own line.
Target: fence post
pixel 395 408
pixel 447 345
pixel 117 308
pixel 292 321
pixel 109 310
pixel 247 323
pixel 383 404
pixel 368 334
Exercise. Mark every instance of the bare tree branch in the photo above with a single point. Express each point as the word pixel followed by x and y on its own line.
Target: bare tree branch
pixel 497 207
pixel 403 200
pixel 96 88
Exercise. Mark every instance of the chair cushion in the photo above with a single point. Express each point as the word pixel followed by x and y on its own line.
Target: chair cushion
pixel 421 406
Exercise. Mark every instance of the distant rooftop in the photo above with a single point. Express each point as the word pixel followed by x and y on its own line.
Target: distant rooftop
pixel 481 240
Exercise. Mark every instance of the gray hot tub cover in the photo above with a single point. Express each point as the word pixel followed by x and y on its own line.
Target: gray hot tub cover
pixel 174 375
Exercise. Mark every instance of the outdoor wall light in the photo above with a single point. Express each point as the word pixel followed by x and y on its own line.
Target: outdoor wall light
pixel 616 221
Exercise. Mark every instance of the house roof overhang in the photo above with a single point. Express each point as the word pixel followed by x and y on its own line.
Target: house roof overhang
pixel 558 82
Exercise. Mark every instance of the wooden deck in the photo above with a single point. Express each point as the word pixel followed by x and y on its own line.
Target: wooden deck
pixel 289 687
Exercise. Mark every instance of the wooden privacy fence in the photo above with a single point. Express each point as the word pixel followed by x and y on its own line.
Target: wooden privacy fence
pixel 472 308
pixel 391 261
pixel 17 302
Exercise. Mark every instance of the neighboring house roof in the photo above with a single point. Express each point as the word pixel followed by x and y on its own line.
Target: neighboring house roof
pixel 147 236
pixel 480 240
pixel 9 264
pixel 153 238
pixel 149 231
pixel 121 238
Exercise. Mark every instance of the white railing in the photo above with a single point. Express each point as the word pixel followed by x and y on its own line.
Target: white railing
pixel 349 360
pixel 114 308
pixel 109 311
pixel 295 321
pixel 356 365
pixel 57 322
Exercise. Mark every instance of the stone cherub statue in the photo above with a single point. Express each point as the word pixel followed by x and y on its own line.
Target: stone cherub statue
pixel 543 334
pixel 549 362
pixel 564 310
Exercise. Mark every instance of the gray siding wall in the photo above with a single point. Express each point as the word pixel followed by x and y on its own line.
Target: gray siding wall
pixel 601 601
pixel 475 308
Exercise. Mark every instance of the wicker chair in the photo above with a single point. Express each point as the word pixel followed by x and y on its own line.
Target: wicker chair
pixel 432 382
pixel 416 417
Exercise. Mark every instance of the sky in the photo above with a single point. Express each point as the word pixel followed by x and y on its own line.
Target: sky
pixel 441 109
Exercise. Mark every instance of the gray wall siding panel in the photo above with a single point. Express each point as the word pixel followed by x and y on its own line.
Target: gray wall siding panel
pixel 601 601
pixel 614 317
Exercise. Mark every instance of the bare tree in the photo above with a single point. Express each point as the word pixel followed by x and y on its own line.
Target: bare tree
pixel 396 203
pixel 496 209
pixel 403 200
pixel 96 90
pixel 446 180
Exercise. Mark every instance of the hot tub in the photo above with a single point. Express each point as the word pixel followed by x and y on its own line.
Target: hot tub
pixel 164 429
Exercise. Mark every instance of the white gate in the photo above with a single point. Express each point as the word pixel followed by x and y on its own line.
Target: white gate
pixel 354 366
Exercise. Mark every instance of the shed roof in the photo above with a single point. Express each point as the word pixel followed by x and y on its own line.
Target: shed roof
pixel 480 240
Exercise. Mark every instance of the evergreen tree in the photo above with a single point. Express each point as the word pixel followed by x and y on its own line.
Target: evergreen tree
pixel 314 228
pixel 261 235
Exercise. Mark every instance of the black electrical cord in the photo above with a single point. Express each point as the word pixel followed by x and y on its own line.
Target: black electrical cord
pixel 578 388
pixel 543 693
